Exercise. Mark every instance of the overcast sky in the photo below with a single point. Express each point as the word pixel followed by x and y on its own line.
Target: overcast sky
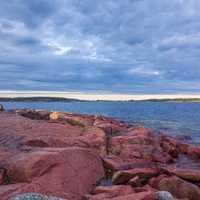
pixel 112 46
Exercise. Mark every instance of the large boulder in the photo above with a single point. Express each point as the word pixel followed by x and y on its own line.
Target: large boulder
pixel 17 131
pixel 177 187
pixel 68 173
pixel 139 143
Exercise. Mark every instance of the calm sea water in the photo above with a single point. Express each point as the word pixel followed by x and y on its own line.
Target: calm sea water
pixel 171 117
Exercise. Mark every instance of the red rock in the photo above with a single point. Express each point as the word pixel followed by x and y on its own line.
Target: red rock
pixel 136 196
pixel 33 114
pixel 160 156
pixel 144 188
pixel 121 192
pixel 68 173
pixel 177 187
pixel 73 118
pixel 110 126
pixel 172 146
pixel 194 151
pixel 135 182
pixel 121 177
pixel 17 131
pixel 113 191
pixel 95 138
pixel 191 175
pixel 128 149
pixel 142 131
pixel 126 139
pixel 113 163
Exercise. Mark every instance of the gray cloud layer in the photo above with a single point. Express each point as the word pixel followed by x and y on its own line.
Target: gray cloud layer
pixel 127 46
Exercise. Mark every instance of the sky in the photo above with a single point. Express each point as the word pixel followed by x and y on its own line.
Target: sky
pixel 105 46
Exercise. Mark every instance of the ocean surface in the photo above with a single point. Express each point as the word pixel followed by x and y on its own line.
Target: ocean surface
pixel 174 118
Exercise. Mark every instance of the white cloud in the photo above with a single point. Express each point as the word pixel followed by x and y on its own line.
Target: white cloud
pixel 144 71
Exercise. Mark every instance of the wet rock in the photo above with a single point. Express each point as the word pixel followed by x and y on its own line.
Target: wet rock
pixel 34 196
pixel 1 108
pixel 176 186
pixel 163 195
pixel 121 177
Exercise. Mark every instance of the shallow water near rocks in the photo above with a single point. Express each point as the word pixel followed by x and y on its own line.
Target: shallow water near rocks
pixel 174 118
pixel 184 161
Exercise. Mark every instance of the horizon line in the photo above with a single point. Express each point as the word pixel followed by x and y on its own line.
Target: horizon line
pixel 94 96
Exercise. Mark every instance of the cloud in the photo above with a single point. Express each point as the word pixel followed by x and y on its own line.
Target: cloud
pixel 128 46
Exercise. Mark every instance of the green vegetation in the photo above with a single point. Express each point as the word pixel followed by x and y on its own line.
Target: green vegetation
pixel 75 123
pixel 174 100
pixel 37 99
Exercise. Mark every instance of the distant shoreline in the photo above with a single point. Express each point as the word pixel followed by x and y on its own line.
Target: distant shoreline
pixel 93 96
pixel 62 99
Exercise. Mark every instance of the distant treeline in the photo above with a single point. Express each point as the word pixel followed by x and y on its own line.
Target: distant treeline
pixel 37 99
pixel 62 99
pixel 174 100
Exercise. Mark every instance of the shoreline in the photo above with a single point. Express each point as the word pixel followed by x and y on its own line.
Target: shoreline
pixel 63 99
pixel 114 159
pixel 94 96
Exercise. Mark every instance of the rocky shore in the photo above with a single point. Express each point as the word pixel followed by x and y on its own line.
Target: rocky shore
pixel 63 156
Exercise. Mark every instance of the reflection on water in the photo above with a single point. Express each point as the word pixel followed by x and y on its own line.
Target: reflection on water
pixel 171 117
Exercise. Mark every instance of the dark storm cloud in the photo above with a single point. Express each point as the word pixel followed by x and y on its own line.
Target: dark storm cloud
pixel 128 46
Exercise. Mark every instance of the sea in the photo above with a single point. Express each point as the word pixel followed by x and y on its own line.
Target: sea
pixel 174 118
